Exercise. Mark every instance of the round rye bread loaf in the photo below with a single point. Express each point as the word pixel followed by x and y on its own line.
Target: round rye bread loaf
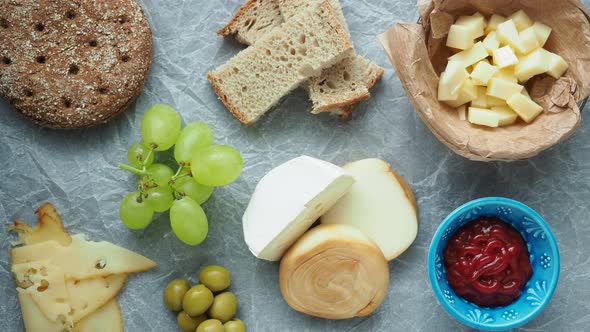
pixel 73 64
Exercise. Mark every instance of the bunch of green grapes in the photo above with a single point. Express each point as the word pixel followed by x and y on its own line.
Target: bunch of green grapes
pixel 202 166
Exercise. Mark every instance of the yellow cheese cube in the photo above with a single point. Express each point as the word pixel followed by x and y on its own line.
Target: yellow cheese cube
pixel 508 35
pixel 483 117
pixel 493 101
pixel 521 20
pixel 503 89
pixel 482 73
pixel 526 109
pixel 529 40
pixel 506 115
pixel 493 23
pixel 451 80
pixel 505 57
pixel 557 65
pixel 460 37
pixel 533 64
pixel 491 42
pixel 475 23
pixel 543 31
pixel 467 93
pixel 462 112
pixel 482 99
pixel 468 57
pixel 507 74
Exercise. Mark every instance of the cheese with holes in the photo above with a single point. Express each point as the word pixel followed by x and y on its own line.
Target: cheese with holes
pixel 557 65
pixel 543 32
pixel 88 295
pixel 83 259
pixel 508 35
pixel 503 89
pixel 505 57
pixel 105 319
pixel 288 200
pixel 533 64
pixel 460 37
pixel 451 80
pixel 526 109
pixel 493 23
pixel 33 317
pixel 470 56
pixel 483 73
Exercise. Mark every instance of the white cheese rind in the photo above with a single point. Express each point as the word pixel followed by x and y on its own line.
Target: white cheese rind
pixel 288 200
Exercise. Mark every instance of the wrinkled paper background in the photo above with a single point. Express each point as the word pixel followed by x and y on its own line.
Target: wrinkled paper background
pixel 77 170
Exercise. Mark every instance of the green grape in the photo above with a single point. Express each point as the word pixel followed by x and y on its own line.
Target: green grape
pixel 159 198
pixel 194 136
pixel 160 127
pixel 137 153
pixel 161 174
pixel 216 165
pixel 135 213
pixel 188 221
pixel 186 185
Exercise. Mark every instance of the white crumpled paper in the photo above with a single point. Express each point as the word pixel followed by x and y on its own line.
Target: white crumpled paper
pixel 77 170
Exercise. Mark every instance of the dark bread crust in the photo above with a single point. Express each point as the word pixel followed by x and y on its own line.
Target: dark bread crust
pixel 73 64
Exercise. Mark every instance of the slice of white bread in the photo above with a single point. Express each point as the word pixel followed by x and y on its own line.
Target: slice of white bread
pixel 257 78
pixel 253 20
pixel 349 81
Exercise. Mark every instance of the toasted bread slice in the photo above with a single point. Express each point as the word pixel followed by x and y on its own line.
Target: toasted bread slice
pixel 253 20
pixel 256 79
pixel 339 89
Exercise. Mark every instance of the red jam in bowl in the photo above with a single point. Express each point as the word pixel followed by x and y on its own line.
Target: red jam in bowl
pixel 487 262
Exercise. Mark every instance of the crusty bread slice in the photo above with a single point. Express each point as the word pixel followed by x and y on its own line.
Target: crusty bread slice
pixel 290 8
pixel 253 20
pixel 257 78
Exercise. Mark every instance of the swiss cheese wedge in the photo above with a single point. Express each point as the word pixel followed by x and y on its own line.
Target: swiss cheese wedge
pixel 106 318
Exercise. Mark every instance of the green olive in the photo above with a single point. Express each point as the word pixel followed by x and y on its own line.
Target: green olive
pixel 188 323
pixel 234 325
pixel 197 300
pixel 224 307
pixel 215 277
pixel 174 293
pixel 210 325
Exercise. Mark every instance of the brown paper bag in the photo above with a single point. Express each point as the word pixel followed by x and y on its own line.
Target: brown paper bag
pixel 419 55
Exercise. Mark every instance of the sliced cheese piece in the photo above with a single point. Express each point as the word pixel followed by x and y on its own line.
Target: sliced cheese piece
pixel 460 37
pixel 508 35
pixel 533 64
pixel 462 112
pixel 105 319
pixel 505 57
pixel 483 73
pixel 83 259
pixel 470 56
pixel 493 23
pixel 557 65
pixel 483 117
pixel 482 99
pixel 380 204
pixel 503 89
pixel 507 74
pixel 491 42
pixel 467 93
pixel 521 20
pixel 543 32
pixel 288 200
pixel 476 23
pixel 49 227
pixel 451 80
pixel 506 115
pixel 526 109
pixel 46 285
pixel 86 296
pixel 529 39
pixel 34 319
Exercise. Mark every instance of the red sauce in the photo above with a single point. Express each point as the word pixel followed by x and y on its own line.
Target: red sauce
pixel 487 262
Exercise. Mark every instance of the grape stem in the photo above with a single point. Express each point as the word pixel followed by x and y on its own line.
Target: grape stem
pixel 133 169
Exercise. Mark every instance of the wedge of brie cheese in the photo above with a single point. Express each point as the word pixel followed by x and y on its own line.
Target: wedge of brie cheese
pixel 288 200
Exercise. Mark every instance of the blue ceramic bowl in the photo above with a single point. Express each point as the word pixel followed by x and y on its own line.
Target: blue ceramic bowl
pixel 544 257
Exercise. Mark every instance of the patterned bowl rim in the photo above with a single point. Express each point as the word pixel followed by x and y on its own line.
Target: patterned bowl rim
pixel 458 315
